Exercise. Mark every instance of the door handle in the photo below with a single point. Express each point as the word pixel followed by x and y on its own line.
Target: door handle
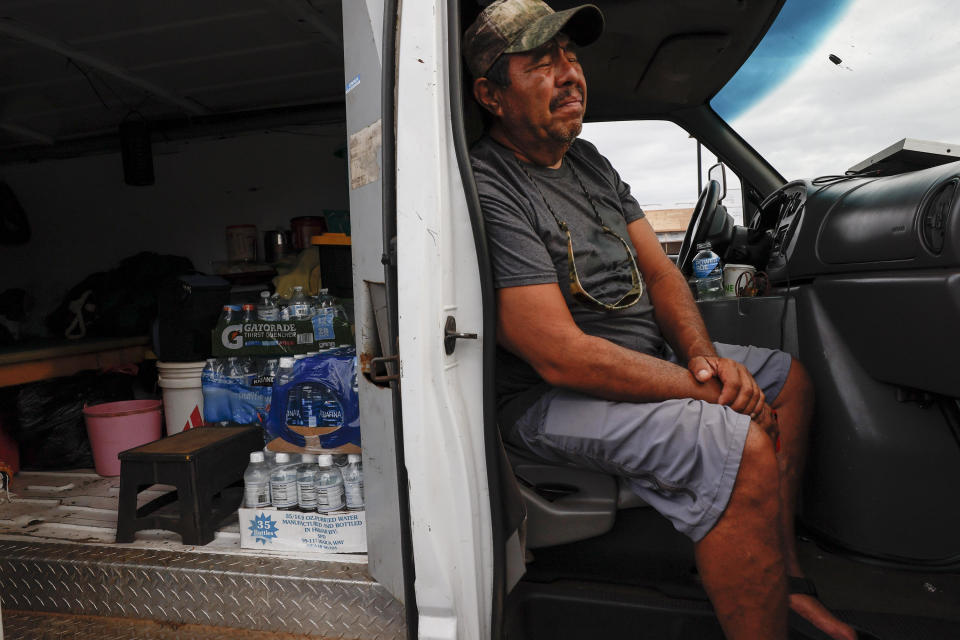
pixel 451 335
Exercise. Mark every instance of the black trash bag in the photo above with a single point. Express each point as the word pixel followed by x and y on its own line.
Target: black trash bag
pixel 122 301
pixel 49 424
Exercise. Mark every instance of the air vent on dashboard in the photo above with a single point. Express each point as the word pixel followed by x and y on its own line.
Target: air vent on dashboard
pixel 933 218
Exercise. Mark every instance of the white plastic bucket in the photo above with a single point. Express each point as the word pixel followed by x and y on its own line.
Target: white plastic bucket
pixel 182 395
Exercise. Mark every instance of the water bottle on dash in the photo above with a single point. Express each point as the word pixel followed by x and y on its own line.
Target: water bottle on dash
pixel 329 485
pixel 283 482
pixel 353 483
pixel 256 482
pixel 707 273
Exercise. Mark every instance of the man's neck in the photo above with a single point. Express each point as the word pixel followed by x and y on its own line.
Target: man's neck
pixel 540 155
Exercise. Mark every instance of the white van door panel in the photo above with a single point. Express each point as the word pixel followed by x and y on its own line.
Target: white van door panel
pixel 441 394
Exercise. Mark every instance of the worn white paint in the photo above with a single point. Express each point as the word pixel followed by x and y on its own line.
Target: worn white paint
pixel 442 408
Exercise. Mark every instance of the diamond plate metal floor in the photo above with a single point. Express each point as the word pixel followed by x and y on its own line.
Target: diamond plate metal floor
pixel 57 556
pixel 324 599
pixel 28 625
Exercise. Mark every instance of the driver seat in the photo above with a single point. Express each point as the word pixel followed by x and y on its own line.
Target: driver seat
pixel 566 504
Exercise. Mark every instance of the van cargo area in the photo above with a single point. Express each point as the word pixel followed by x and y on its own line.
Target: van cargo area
pixel 231 143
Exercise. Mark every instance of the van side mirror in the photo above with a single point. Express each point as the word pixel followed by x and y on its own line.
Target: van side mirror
pixel 720 176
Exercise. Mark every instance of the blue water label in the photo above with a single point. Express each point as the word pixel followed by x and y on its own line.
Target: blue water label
pixel 702 267
pixel 323 325
pixel 263 528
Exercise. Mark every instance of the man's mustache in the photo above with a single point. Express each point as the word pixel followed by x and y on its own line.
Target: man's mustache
pixel 574 91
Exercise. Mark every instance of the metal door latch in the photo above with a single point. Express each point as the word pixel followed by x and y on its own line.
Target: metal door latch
pixel 385 361
pixel 450 335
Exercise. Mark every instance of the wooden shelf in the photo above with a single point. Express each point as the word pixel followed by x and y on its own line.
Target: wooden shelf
pixel 68 357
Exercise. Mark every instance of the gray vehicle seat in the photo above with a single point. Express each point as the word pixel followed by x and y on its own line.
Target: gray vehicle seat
pixel 566 504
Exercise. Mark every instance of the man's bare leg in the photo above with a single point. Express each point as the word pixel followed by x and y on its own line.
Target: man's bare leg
pixel 794 407
pixel 741 561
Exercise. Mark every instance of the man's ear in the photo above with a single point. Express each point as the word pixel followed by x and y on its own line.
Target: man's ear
pixel 486 93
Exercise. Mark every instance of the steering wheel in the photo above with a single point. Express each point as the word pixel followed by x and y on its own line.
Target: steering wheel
pixel 702 219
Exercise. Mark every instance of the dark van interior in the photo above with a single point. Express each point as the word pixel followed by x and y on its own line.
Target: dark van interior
pixel 865 290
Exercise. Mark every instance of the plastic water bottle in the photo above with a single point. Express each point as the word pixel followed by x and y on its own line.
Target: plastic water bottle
pixel 353 483
pixel 267 309
pixel 329 485
pixel 210 370
pixel 256 482
pixel 307 482
pixel 270 457
pixel 299 305
pixel 707 273
pixel 330 413
pixel 319 406
pixel 283 482
pixel 284 376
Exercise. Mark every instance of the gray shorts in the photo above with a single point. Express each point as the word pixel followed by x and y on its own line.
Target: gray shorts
pixel 680 456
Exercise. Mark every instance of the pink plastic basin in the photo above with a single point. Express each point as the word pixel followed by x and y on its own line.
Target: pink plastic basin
pixel 117 426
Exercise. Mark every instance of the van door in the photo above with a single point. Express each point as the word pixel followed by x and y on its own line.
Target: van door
pixel 439 291
pixel 387 513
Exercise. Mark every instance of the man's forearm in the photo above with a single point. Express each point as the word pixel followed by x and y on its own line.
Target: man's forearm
pixel 601 368
pixel 678 316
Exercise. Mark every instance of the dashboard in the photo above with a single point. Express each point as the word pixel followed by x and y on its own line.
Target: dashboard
pixel 848 224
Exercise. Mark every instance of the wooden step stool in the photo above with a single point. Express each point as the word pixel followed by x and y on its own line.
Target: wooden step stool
pixel 201 463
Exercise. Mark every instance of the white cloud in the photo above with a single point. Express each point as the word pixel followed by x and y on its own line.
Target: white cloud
pixel 899 78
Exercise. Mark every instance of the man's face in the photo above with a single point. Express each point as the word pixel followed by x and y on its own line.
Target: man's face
pixel 547 95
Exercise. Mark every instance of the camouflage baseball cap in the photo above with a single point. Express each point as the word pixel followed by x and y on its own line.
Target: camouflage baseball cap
pixel 514 26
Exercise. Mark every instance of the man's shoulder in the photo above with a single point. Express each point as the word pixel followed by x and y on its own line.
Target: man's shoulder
pixel 587 151
pixel 485 152
pixel 495 171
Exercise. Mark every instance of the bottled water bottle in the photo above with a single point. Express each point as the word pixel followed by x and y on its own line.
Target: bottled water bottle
pixel 284 376
pixel 211 370
pixel 329 485
pixel 308 408
pixel 270 457
pixel 267 309
pixel 353 483
pixel 270 367
pixel 283 482
pixel 299 305
pixel 319 406
pixel 256 482
pixel 307 482
pixel 707 273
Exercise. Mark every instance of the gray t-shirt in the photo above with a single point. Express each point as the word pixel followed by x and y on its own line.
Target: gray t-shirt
pixel 527 247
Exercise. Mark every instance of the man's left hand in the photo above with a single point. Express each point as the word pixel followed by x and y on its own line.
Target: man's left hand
pixel 740 391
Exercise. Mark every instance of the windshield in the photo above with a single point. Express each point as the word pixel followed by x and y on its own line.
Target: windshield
pixel 834 82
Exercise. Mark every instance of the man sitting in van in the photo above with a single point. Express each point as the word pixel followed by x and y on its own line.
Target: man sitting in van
pixel 603 358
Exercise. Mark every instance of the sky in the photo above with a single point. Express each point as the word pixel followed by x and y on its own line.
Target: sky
pixel 899 77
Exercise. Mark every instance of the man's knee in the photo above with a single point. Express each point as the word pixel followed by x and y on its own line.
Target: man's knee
pixel 758 480
pixel 798 386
